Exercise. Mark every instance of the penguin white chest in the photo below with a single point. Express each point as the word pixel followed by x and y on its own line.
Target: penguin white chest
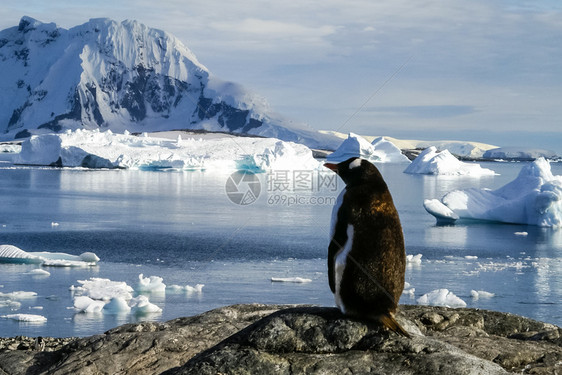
pixel 339 267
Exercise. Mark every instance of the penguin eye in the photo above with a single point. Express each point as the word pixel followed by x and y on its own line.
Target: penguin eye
pixel 355 164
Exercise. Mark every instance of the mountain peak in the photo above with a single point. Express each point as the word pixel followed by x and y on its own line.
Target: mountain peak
pixel 121 76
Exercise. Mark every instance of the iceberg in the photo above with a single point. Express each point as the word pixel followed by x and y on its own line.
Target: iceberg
pixel 431 161
pixel 533 198
pixel 380 151
pixel 95 149
pixel 13 254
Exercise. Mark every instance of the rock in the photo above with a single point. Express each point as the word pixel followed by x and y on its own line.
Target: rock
pixel 143 348
pixel 320 340
pixel 264 339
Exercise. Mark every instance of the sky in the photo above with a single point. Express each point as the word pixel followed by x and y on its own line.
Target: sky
pixel 478 70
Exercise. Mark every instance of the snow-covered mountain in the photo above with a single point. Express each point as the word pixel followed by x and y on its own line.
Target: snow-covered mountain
pixel 123 76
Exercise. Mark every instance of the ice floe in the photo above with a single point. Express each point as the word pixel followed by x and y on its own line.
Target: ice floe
pixel 381 150
pixel 431 161
pixel 477 294
pixel 28 318
pixel 534 198
pixel 290 280
pixel 95 149
pixel 152 284
pixel 413 259
pixel 13 254
pixel 441 297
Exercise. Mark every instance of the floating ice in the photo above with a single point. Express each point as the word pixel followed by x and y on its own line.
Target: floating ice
pixel 152 284
pixel 290 280
pixel 413 259
pixel 18 295
pixel 380 150
pixel 117 305
pixel 523 234
pixel 441 297
pixel 187 288
pixel 29 318
pixel 140 306
pixel 104 289
pixel 198 288
pixel 88 305
pixel 481 294
pixel 94 149
pixel 534 198
pixel 39 272
pixel 442 213
pixel 13 254
pixel 98 295
pixel 431 161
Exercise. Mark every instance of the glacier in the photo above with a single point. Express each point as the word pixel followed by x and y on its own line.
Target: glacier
pixel 122 76
pixel 96 149
pixel 534 197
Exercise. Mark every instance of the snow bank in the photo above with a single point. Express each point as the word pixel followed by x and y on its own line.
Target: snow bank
pixel 381 151
pixel 441 297
pixel 431 161
pixel 13 254
pixel 95 149
pixel 519 153
pixel 534 198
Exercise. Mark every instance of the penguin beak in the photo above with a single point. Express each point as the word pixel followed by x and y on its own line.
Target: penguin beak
pixel 332 166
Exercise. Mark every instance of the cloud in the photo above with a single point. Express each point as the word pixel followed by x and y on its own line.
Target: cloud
pixel 425 111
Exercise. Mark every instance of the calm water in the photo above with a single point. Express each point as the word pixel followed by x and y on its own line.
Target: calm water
pixel 182 226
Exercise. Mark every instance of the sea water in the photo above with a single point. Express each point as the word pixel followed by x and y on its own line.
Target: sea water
pixel 188 228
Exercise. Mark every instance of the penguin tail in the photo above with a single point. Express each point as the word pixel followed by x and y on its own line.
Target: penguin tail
pixel 390 322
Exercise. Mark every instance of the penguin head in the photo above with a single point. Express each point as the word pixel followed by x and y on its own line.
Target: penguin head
pixel 356 171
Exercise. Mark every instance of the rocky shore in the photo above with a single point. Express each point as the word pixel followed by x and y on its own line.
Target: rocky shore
pixel 264 339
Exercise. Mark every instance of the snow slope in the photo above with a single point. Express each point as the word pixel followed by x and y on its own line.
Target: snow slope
pixel 123 75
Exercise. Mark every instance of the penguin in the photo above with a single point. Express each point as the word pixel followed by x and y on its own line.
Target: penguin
pixel 366 255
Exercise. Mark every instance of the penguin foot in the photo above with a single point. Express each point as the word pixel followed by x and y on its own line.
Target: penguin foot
pixel 390 322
